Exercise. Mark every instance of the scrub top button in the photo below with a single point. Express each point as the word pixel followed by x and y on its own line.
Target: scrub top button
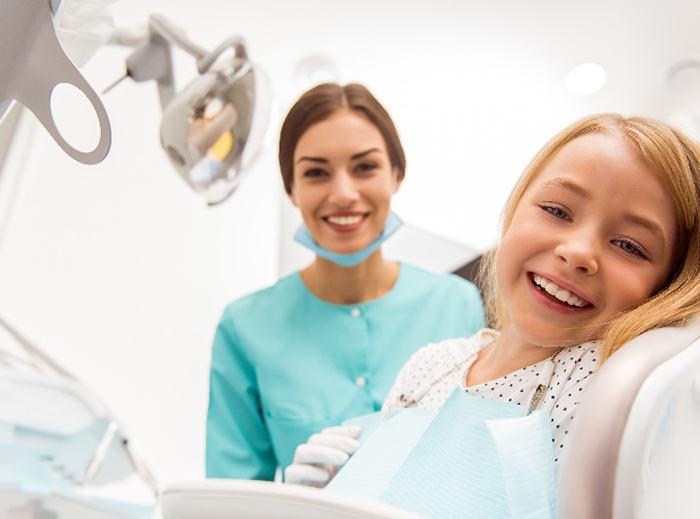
pixel 355 312
pixel 360 382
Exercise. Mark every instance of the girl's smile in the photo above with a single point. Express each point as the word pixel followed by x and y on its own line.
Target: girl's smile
pixel 558 295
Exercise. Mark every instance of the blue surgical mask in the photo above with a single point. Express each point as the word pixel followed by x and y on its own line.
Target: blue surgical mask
pixel 304 237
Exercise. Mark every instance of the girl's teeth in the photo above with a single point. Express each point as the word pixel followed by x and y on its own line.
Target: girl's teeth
pixel 344 220
pixel 575 301
pixel 560 293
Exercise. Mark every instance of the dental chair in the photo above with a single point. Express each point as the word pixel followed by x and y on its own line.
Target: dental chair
pixel 634 451
pixel 224 499
pixel 635 446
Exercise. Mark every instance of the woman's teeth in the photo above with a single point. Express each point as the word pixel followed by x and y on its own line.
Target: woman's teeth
pixel 344 220
pixel 560 293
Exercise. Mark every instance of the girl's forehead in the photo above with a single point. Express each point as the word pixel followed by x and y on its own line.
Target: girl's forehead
pixel 596 158
pixel 603 174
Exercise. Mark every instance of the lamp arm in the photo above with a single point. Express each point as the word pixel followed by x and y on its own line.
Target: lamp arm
pixel 235 42
pixel 160 25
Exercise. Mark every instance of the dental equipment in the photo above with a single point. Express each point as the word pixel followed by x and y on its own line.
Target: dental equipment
pixel 34 63
pixel 57 437
pixel 214 129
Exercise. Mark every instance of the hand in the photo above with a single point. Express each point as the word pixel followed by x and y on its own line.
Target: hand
pixel 319 459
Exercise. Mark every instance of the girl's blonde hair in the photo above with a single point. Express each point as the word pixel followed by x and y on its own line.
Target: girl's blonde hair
pixel 676 158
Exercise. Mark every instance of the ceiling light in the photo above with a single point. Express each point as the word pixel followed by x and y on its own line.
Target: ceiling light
pixel 585 79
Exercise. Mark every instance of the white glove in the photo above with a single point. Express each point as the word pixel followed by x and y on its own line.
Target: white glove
pixel 319 459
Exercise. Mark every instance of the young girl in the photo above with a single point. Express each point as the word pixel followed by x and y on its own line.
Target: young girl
pixel 600 243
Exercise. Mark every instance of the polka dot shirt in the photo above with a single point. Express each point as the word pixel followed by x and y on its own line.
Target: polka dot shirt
pixel 434 371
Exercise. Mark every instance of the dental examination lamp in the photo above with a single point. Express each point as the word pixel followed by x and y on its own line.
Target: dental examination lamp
pixel 214 128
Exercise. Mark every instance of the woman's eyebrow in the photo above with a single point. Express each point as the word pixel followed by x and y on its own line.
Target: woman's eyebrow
pixel 313 159
pixel 363 153
pixel 356 156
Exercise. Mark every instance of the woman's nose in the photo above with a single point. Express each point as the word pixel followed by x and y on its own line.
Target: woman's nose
pixel 579 253
pixel 343 189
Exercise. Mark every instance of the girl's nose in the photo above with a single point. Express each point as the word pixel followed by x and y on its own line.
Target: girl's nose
pixel 579 253
pixel 343 190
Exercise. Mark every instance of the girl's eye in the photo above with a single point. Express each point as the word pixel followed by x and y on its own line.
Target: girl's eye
pixel 314 172
pixel 630 248
pixel 555 211
pixel 365 167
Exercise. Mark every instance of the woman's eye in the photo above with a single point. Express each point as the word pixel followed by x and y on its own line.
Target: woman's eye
pixel 555 211
pixel 314 172
pixel 630 248
pixel 365 167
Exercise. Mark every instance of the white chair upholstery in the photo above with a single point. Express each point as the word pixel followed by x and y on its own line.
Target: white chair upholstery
pixel 635 446
pixel 224 499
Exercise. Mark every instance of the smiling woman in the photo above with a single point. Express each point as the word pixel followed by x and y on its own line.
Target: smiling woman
pixel 324 344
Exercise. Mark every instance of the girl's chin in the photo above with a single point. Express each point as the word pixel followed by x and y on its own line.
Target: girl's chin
pixel 546 335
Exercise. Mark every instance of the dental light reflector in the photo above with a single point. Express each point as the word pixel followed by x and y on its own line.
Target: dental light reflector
pixel 209 130
pixel 214 128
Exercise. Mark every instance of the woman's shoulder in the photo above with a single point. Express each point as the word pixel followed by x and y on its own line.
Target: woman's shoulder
pixel 442 283
pixel 268 300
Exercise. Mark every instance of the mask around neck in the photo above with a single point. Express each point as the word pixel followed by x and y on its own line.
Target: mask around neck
pixel 303 236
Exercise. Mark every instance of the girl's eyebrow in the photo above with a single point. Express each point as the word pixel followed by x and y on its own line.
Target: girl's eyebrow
pixel 568 184
pixel 646 224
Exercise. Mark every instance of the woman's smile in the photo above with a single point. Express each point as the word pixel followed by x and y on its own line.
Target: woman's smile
pixel 345 222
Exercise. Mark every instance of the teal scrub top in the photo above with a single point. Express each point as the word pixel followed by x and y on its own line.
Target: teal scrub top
pixel 286 364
